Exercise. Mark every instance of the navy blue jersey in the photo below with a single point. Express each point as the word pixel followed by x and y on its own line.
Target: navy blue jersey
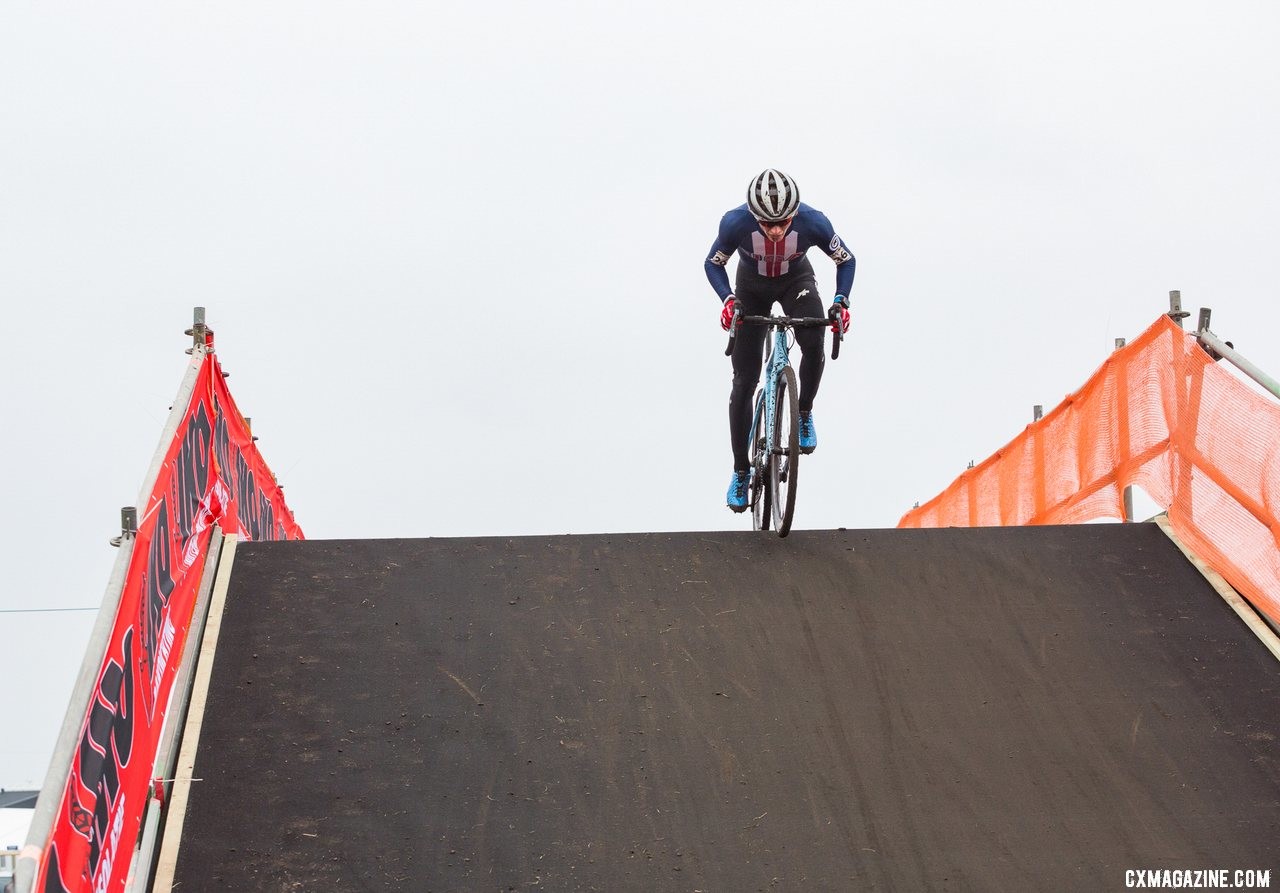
pixel 739 231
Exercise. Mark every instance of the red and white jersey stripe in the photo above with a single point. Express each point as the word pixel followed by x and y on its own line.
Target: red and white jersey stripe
pixel 774 258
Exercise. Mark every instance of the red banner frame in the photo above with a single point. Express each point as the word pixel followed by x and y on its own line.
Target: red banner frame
pixel 212 474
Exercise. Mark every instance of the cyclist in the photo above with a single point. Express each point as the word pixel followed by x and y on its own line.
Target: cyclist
pixel 771 234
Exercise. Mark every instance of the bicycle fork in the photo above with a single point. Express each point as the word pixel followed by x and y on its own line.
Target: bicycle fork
pixel 777 360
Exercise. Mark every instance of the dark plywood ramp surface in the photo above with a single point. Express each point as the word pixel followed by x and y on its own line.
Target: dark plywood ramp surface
pixel 959 709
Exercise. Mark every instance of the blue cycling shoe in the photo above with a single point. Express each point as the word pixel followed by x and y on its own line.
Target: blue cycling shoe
pixel 737 496
pixel 808 436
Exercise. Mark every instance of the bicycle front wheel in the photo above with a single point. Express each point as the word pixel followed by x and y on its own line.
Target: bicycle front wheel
pixel 761 506
pixel 785 459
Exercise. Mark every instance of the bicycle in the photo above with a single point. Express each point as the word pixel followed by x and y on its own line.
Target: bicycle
pixel 775 426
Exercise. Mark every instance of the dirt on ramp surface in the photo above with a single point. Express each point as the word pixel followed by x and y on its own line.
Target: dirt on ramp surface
pixel 995 709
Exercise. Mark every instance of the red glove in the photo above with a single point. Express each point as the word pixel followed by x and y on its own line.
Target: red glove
pixel 839 316
pixel 726 313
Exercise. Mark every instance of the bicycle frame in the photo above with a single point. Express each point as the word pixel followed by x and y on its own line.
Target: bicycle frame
pixel 774 464
pixel 779 357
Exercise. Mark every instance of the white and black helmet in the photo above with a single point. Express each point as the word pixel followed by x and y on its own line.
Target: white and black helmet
pixel 773 196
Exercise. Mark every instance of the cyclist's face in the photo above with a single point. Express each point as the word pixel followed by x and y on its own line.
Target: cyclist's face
pixel 775 231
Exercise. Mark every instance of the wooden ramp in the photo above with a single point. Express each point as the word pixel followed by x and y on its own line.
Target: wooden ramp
pixel 995 709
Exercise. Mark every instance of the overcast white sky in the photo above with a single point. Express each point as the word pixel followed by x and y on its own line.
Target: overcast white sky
pixel 453 252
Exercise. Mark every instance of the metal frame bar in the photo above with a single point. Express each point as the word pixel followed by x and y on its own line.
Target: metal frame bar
pixel 779 356
pixel 1123 416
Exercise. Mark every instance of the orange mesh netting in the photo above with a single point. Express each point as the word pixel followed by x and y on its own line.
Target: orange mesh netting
pixel 1159 414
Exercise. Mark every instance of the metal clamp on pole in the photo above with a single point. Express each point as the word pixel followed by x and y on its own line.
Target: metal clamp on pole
pixel 1176 313
pixel 1202 329
pixel 128 525
pixel 198 331
pixel 1225 350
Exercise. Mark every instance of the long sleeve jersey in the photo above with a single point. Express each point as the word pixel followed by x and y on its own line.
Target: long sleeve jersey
pixel 740 232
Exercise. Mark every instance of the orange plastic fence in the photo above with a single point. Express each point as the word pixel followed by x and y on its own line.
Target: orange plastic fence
pixel 1160 414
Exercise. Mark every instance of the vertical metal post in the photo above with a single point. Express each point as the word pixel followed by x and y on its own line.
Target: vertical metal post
pixel 1124 422
pixel 198 330
pixel 1037 458
pixel 1176 313
pixel 1189 415
pixel 128 525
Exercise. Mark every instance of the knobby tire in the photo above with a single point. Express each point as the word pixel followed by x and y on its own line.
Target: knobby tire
pixel 784 462
pixel 760 468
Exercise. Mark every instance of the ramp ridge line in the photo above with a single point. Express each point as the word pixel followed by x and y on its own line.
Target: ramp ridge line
pixel 195 719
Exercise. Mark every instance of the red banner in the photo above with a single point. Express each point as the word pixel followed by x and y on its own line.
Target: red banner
pixel 212 474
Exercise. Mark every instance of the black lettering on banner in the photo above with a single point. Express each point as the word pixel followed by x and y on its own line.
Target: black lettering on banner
pixel 157 587
pixel 222 445
pixel 246 488
pixel 255 511
pixel 53 874
pixel 104 750
pixel 192 472
pixel 266 517
pixel 257 514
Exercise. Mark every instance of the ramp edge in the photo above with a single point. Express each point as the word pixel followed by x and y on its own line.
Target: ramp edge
pixel 1238 603
pixel 185 767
